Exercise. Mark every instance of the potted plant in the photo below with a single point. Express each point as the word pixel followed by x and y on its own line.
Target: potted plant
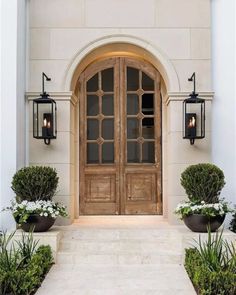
pixel 204 209
pixel 33 207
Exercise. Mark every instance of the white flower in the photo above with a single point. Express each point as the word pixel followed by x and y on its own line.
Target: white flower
pixel 41 207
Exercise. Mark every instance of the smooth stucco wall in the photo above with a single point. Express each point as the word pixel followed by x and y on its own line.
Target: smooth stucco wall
pixel 13 113
pixel 224 86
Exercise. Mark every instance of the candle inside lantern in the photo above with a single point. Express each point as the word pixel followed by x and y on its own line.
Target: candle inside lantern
pixel 47 130
pixel 44 128
pixel 191 129
pixel 191 122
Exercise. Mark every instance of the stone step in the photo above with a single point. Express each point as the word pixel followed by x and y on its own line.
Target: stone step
pixel 120 246
pixel 70 257
pixel 117 234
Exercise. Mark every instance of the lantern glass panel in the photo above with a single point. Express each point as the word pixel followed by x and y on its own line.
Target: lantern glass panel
pixel 44 116
pixel 194 119
pixel 35 120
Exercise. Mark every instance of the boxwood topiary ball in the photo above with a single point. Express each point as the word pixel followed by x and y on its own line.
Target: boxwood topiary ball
pixel 203 182
pixel 35 183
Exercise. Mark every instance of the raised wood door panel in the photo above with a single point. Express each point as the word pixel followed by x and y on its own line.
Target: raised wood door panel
pixel 120 138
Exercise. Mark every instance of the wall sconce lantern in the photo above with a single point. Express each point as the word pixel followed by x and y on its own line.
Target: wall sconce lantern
pixel 44 116
pixel 193 115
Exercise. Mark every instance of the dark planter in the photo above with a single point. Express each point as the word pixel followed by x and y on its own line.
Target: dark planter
pixel 38 223
pixel 200 223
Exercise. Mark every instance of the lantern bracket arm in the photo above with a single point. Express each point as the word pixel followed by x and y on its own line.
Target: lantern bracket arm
pixel 193 95
pixel 44 76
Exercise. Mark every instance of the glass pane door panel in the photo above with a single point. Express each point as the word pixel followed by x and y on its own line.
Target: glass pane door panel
pixel 148 152
pixel 108 129
pixel 147 104
pixel 108 80
pixel 133 152
pixel 132 79
pixel 132 128
pixel 92 129
pixel 148 132
pixel 147 82
pixel 108 105
pixel 92 105
pixel 92 84
pixel 92 153
pixel 108 152
pixel 148 128
pixel 132 104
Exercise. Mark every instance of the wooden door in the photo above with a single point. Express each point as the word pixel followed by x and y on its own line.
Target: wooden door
pixel 120 138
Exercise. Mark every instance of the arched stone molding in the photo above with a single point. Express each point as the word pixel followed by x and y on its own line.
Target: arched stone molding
pixel 177 153
pixel 104 46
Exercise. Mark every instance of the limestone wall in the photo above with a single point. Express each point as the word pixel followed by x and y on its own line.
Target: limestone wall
pixel 177 30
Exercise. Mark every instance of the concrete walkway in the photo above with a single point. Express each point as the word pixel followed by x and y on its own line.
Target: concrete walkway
pixel 119 255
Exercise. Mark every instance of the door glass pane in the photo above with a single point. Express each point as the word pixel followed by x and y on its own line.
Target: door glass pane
pixel 107 80
pixel 132 104
pixel 108 152
pixel 92 84
pixel 92 129
pixel 132 79
pixel 148 128
pixel 108 105
pixel 133 151
pixel 132 128
pixel 92 153
pixel 147 82
pixel 148 152
pixel 147 104
pixel 92 105
pixel 108 128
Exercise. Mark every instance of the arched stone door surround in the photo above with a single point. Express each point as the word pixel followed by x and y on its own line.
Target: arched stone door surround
pixel 133 51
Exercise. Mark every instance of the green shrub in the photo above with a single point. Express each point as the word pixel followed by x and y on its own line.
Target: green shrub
pixel 212 266
pixel 217 253
pixel 27 246
pixel 208 282
pixel 233 223
pixel 192 258
pixel 44 257
pixel 10 261
pixel 30 279
pixel 203 182
pixel 35 183
pixel 20 274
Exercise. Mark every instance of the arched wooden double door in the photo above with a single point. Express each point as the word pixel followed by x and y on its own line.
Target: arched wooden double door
pixel 120 138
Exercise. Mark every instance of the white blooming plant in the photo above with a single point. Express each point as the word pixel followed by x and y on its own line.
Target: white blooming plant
pixel 210 210
pixel 23 210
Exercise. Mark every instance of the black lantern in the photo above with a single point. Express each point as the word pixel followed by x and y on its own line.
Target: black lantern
pixel 44 116
pixel 193 115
